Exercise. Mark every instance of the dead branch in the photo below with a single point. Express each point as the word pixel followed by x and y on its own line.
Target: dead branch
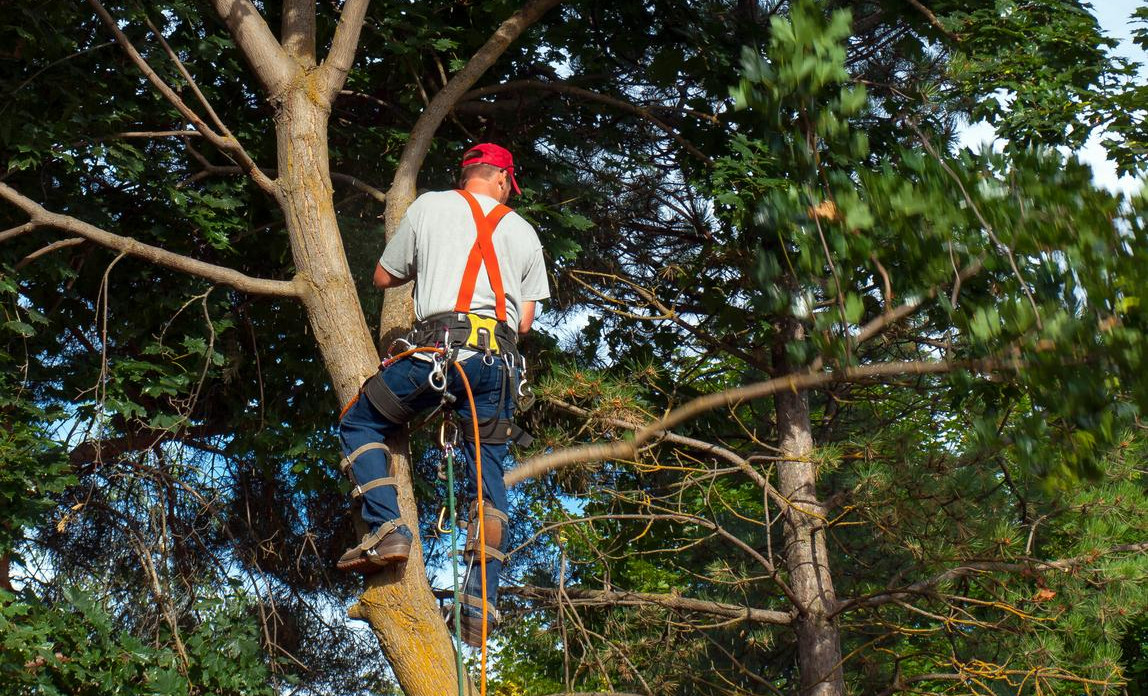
pixel 588 95
pixel 226 142
pixel 581 597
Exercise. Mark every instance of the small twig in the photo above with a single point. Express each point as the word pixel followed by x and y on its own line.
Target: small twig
pixel 984 223
pixel 54 246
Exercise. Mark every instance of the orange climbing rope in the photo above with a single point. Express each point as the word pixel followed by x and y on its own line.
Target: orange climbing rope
pixel 481 518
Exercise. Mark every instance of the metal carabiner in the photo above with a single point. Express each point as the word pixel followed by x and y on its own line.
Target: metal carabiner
pixel 437 376
pixel 441 516
pixel 403 344
pixel 447 443
pixel 523 390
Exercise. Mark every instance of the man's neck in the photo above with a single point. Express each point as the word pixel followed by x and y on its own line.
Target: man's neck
pixel 484 187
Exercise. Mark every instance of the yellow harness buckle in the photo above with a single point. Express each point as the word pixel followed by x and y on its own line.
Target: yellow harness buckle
pixel 482 333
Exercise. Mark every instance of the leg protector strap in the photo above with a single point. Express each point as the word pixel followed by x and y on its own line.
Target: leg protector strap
pixel 358 491
pixel 494 525
pixel 349 460
pixel 476 602
pixel 346 466
pixel 495 431
pixel 386 401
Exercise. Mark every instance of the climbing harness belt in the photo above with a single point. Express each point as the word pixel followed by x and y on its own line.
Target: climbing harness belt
pixel 482 253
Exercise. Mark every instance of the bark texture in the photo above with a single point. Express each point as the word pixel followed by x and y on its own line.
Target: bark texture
pixel 398 604
pixel 806 558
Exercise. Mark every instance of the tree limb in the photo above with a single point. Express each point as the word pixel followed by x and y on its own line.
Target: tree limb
pixel 168 259
pixel 272 66
pixel 932 19
pixel 733 457
pixel 226 143
pixel 54 246
pixel 627 448
pixel 619 598
pixel 878 324
pixel 423 132
pixel 342 54
pixel 588 95
pixel 298 30
pixel 353 182
pixel 19 230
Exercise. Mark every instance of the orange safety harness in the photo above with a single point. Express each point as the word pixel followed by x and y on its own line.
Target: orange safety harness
pixel 482 254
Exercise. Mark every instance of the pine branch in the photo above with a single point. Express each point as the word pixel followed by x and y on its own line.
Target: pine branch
pixel 627 448
pixel 1029 565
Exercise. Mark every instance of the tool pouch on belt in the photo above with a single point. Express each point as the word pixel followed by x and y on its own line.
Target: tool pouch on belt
pixel 466 330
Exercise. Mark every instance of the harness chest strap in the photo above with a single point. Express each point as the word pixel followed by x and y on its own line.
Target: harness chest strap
pixel 482 254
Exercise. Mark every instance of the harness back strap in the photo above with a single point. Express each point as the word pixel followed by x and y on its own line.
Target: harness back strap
pixel 482 253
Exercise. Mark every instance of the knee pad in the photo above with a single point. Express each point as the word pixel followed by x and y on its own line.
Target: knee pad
pixel 496 526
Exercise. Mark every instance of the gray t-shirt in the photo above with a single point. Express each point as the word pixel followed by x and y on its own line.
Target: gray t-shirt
pixel 433 242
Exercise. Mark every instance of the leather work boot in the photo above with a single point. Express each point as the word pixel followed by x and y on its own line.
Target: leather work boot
pixel 388 545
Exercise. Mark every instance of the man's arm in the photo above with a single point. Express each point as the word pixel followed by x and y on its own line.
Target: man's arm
pixel 384 279
pixel 527 316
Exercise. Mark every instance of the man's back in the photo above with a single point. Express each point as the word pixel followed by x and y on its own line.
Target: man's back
pixel 432 245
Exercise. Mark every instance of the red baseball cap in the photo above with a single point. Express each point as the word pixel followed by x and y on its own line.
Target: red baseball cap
pixel 494 155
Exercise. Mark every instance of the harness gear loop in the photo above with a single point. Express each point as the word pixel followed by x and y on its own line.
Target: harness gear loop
pixel 482 254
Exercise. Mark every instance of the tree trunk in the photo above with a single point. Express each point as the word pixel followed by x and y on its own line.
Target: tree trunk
pixel 818 641
pixel 397 603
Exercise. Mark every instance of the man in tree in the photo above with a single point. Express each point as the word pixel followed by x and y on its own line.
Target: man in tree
pixel 478 270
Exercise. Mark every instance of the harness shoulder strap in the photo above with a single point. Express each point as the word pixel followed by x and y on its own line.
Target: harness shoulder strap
pixel 482 253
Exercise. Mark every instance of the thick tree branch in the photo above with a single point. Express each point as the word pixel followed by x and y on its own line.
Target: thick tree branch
pixel 298 31
pixel 674 602
pixel 226 143
pixel 587 95
pixel 1029 565
pixel 342 54
pixel 272 66
pixel 730 456
pixel 217 274
pixel 627 448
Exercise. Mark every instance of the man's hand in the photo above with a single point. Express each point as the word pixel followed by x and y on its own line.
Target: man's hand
pixel 384 279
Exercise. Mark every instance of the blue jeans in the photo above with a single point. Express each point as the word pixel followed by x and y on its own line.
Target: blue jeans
pixel 493 390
